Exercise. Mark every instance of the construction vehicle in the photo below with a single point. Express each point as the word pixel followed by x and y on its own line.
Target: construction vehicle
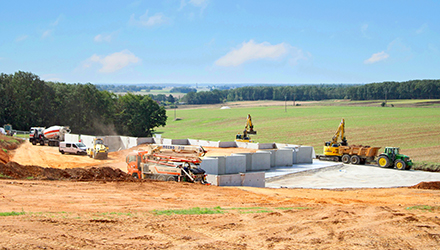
pixel 98 150
pixel 248 130
pixel 166 164
pixel 51 136
pixel 391 157
pixel 341 151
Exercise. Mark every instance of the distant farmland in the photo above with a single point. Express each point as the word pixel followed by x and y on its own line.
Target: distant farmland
pixel 416 130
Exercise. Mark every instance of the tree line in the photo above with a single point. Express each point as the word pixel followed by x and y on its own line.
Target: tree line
pixel 415 89
pixel 27 101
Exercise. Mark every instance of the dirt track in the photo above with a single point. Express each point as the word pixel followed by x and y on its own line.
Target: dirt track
pixel 119 215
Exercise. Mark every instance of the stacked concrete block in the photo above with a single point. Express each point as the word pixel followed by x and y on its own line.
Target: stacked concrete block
pixel 266 146
pixel 235 164
pixel 166 141
pixel 211 166
pixel 243 179
pixel 260 161
pixel 248 160
pixel 144 140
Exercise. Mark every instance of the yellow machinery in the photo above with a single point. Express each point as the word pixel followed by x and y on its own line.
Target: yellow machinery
pixel 331 148
pixel 99 150
pixel 248 130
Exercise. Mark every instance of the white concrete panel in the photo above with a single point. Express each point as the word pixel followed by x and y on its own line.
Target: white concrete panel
pixel 284 145
pixel 256 179
pixel 71 137
pixel 235 164
pixel 261 160
pixel 266 146
pixel 283 157
pixel 210 165
pixel 180 142
pixel 304 154
pixel 193 142
pixel 87 140
pixel 167 141
pixel 125 140
pixel 158 140
pixel 145 140
pixel 132 142
pixel 227 144
pixel 208 143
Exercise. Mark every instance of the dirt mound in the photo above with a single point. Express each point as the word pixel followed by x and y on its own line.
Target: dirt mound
pixel 428 185
pixel 16 171
pixel 4 157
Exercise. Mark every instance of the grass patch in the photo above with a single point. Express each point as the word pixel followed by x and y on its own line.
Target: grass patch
pixel 13 213
pixel 292 208
pixel 5 150
pixel 195 210
pixel 5 176
pixel 416 127
pixel 424 208
pixel 426 166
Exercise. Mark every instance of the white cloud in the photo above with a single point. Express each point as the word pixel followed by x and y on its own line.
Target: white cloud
pixel 252 51
pixel 105 37
pixel 377 57
pixel 60 18
pixel 149 21
pixel 198 3
pixel 422 29
pixel 112 62
pixel 46 34
pixel 21 38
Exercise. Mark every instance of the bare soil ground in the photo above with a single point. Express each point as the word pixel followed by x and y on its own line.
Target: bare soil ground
pixel 120 214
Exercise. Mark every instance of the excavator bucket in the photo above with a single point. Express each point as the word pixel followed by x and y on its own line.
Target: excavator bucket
pixel 252 132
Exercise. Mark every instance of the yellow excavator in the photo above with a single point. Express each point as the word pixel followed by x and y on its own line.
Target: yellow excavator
pixel 331 148
pixel 248 130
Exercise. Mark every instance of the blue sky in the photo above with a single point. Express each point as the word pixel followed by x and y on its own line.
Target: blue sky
pixel 221 41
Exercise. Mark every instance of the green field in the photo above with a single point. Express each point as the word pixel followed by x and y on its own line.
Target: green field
pixel 416 130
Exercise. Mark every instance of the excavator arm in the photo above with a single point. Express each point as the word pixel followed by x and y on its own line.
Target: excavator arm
pixel 250 126
pixel 340 132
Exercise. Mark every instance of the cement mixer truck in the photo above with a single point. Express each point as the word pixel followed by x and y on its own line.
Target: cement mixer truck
pixel 50 136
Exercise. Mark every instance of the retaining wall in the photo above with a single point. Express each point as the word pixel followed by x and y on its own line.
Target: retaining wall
pixel 242 179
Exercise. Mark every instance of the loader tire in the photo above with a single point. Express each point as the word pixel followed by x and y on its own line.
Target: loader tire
pixel 345 159
pixel 34 142
pixel 383 161
pixel 355 160
pixel 135 175
pixel 399 164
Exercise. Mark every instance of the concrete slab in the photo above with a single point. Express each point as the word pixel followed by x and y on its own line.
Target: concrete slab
pixel 349 176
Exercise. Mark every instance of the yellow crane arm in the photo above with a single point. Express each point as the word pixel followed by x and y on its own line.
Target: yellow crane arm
pixel 340 131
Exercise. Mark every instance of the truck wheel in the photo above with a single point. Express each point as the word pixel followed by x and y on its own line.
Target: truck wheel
pixel 355 160
pixel 62 152
pixel 383 161
pixel 34 142
pixel 41 143
pixel 345 159
pixel 171 178
pixel 162 177
pixel 399 164
pixel 135 175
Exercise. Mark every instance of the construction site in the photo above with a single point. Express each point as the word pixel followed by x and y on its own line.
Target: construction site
pixel 118 192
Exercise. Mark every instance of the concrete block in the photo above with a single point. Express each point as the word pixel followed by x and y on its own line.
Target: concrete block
pixel 71 138
pixel 158 140
pixel 180 142
pixel 166 141
pixel 266 146
pixel 283 157
pixel 235 164
pixel 204 143
pixel 227 144
pixel 210 165
pixel 248 160
pixel 261 160
pixel 284 145
pixel 193 142
pixel 304 154
pixel 132 142
pixel 241 179
pixel 144 140
pixel 87 140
